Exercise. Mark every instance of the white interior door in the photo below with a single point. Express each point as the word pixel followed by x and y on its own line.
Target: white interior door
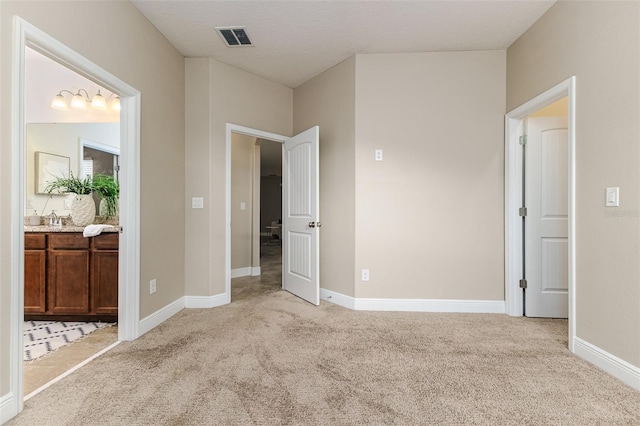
pixel 300 211
pixel 546 223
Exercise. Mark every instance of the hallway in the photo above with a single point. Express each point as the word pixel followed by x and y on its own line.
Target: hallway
pixel 270 280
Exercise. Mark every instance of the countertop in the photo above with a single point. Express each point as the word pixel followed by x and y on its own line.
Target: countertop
pixel 65 228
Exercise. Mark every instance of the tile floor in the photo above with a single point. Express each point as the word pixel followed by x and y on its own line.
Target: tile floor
pixel 43 370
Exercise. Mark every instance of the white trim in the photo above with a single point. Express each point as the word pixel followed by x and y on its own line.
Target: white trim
pixel 618 368
pixel 513 195
pixel 18 148
pixel 88 143
pixel 338 298
pixel 414 305
pixel 129 248
pixel 160 316
pixel 200 302
pixel 25 34
pixel 8 407
pixel 188 302
pixel 431 305
pixel 234 128
pixel 248 271
pixel 71 370
pixel 241 272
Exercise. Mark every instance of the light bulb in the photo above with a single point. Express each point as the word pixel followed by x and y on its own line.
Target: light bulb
pixel 58 102
pixel 98 101
pixel 78 102
pixel 115 104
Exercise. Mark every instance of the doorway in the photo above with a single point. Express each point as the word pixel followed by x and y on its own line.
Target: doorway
pixel 256 208
pixel 300 211
pixel 128 276
pixel 515 268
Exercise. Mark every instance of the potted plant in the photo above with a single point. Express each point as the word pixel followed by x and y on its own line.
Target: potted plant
pixel 83 208
pixel 108 188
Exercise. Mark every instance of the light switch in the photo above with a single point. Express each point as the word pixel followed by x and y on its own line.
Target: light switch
pixel 378 155
pixel 197 203
pixel 243 206
pixel 613 197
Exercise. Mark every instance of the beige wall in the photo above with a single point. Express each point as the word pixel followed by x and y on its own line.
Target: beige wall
pixel 219 94
pixel 243 151
pixel 429 217
pixel 599 43
pixel 139 55
pixel 328 100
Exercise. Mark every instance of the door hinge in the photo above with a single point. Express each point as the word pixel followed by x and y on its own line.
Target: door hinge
pixel 523 140
pixel 522 211
pixel 523 283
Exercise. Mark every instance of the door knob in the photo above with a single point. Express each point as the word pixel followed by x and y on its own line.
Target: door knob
pixel 312 224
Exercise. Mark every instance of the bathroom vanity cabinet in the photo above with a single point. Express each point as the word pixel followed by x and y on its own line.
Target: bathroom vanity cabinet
pixel 68 277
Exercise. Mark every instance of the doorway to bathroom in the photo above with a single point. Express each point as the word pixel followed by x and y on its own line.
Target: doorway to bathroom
pixel 70 293
pixel 29 37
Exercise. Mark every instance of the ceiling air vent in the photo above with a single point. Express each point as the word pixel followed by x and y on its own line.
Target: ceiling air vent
pixel 234 36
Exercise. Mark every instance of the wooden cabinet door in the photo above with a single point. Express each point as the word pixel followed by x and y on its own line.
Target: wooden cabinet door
pixel 35 281
pixel 35 273
pixel 68 281
pixel 105 282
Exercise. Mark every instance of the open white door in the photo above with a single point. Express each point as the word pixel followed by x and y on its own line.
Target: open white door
pixel 546 223
pixel 300 211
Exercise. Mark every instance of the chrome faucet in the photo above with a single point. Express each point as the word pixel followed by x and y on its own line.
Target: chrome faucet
pixel 54 220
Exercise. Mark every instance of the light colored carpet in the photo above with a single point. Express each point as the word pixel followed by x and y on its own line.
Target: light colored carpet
pixel 270 358
pixel 43 337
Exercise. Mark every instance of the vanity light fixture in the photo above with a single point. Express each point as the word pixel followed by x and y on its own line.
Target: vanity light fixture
pixel 115 104
pixel 80 101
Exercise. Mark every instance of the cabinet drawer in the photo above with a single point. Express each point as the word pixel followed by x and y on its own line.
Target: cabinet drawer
pixel 108 241
pixel 68 241
pixel 35 241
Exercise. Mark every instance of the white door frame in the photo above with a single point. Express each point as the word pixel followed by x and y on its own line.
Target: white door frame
pixel 27 35
pixel 513 199
pixel 234 128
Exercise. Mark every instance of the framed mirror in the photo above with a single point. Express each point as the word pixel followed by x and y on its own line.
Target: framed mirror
pixel 48 168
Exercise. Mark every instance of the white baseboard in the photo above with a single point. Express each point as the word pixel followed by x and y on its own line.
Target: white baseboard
pixel 337 298
pixel 8 407
pixel 618 368
pixel 196 302
pixel 431 305
pixel 414 305
pixel 160 316
pixel 241 272
pixel 248 271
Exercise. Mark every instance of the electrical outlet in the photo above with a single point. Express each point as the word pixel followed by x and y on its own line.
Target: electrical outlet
pixel 378 155
pixel 67 203
pixel 152 286
pixel 365 275
pixel 30 203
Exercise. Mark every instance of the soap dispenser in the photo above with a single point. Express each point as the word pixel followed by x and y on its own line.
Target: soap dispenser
pixel 34 219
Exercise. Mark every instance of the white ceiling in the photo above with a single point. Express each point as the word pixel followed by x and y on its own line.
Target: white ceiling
pixel 296 40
